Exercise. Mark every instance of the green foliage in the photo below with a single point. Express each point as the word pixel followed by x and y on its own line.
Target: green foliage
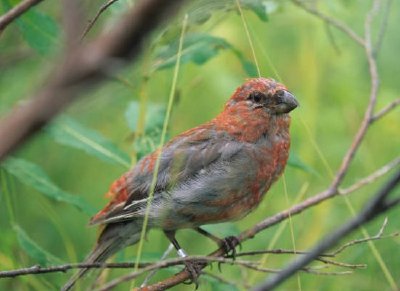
pixel 32 175
pixel 258 7
pixel 37 253
pixel 198 48
pixel 292 47
pixel 39 30
pixel 150 139
pixel 295 161
pixel 68 131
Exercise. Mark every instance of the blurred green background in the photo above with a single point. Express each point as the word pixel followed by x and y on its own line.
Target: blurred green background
pixel 54 183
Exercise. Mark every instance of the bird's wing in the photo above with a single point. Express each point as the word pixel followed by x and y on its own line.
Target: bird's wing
pixel 181 159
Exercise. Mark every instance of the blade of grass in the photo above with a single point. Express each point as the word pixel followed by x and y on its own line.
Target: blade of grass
pixel 163 134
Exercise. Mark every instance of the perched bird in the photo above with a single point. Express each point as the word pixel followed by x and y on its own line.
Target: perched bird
pixel 216 172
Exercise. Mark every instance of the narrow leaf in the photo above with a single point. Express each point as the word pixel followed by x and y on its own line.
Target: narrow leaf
pixel 155 116
pixel 197 48
pixel 259 7
pixel 34 251
pixel 32 175
pixel 69 132
pixel 295 162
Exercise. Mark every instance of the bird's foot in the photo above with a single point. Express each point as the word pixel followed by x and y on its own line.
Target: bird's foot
pixel 194 269
pixel 229 245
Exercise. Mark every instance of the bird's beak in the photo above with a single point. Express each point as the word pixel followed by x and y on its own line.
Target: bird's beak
pixel 287 103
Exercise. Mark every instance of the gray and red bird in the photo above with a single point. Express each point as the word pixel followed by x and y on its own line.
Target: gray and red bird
pixel 216 172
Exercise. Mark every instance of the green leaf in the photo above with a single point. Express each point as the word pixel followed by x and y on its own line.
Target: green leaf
pixel 295 162
pixel 69 132
pixel 34 251
pixel 258 7
pixel 197 48
pixel 154 121
pixel 248 67
pixel 32 175
pixel 39 30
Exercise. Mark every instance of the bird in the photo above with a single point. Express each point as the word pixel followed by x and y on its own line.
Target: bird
pixel 216 172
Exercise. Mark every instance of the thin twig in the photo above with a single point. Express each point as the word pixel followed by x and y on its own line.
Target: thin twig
pixel 376 206
pixel 371 178
pixel 200 260
pixel 63 268
pixel 386 110
pixel 93 21
pixel 378 236
pixel 329 20
pixel 16 12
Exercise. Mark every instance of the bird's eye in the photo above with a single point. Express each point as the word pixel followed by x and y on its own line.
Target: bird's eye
pixel 256 96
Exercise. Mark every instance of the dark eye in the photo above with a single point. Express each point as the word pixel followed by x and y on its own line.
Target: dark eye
pixel 256 96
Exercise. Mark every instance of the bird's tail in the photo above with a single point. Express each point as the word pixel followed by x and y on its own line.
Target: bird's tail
pixel 113 238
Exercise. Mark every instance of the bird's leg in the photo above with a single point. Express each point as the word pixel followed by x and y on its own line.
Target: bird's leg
pixel 228 243
pixel 192 267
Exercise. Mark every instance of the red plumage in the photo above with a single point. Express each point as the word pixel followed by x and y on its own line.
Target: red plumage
pixel 215 172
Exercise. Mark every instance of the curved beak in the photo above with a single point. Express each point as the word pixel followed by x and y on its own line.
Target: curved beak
pixel 287 103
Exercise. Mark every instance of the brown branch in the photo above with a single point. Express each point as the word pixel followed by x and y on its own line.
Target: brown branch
pixel 63 268
pixel 331 21
pixel 376 206
pixel 386 110
pixel 16 12
pixel 85 67
pixel 93 21
pixel 371 178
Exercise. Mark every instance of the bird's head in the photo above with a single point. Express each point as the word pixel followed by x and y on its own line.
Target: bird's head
pixel 266 94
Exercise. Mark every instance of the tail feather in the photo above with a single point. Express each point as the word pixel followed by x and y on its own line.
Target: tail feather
pixel 113 238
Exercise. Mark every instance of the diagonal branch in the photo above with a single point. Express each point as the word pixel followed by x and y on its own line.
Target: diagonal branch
pixel 16 12
pixel 376 206
pixel 331 21
pixel 83 68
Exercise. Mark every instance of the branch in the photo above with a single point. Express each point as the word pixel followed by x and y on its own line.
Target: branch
pixel 93 21
pixel 371 178
pixel 63 268
pixel 331 21
pixel 386 110
pixel 85 67
pixel 376 206
pixel 16 12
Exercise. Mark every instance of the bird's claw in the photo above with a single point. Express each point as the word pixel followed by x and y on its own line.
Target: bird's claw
pixel 194 270
pixel 229 245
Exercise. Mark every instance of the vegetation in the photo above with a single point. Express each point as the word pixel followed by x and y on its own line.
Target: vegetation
pixel 52 185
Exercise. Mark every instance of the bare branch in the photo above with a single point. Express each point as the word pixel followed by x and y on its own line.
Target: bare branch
pixel 371 178
pixel 363 240
pixel 63 268
pixel 386 110
pixel 331 21
pixel 375 207
pixel 16 12
pixel 93 21
pixel 84 68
